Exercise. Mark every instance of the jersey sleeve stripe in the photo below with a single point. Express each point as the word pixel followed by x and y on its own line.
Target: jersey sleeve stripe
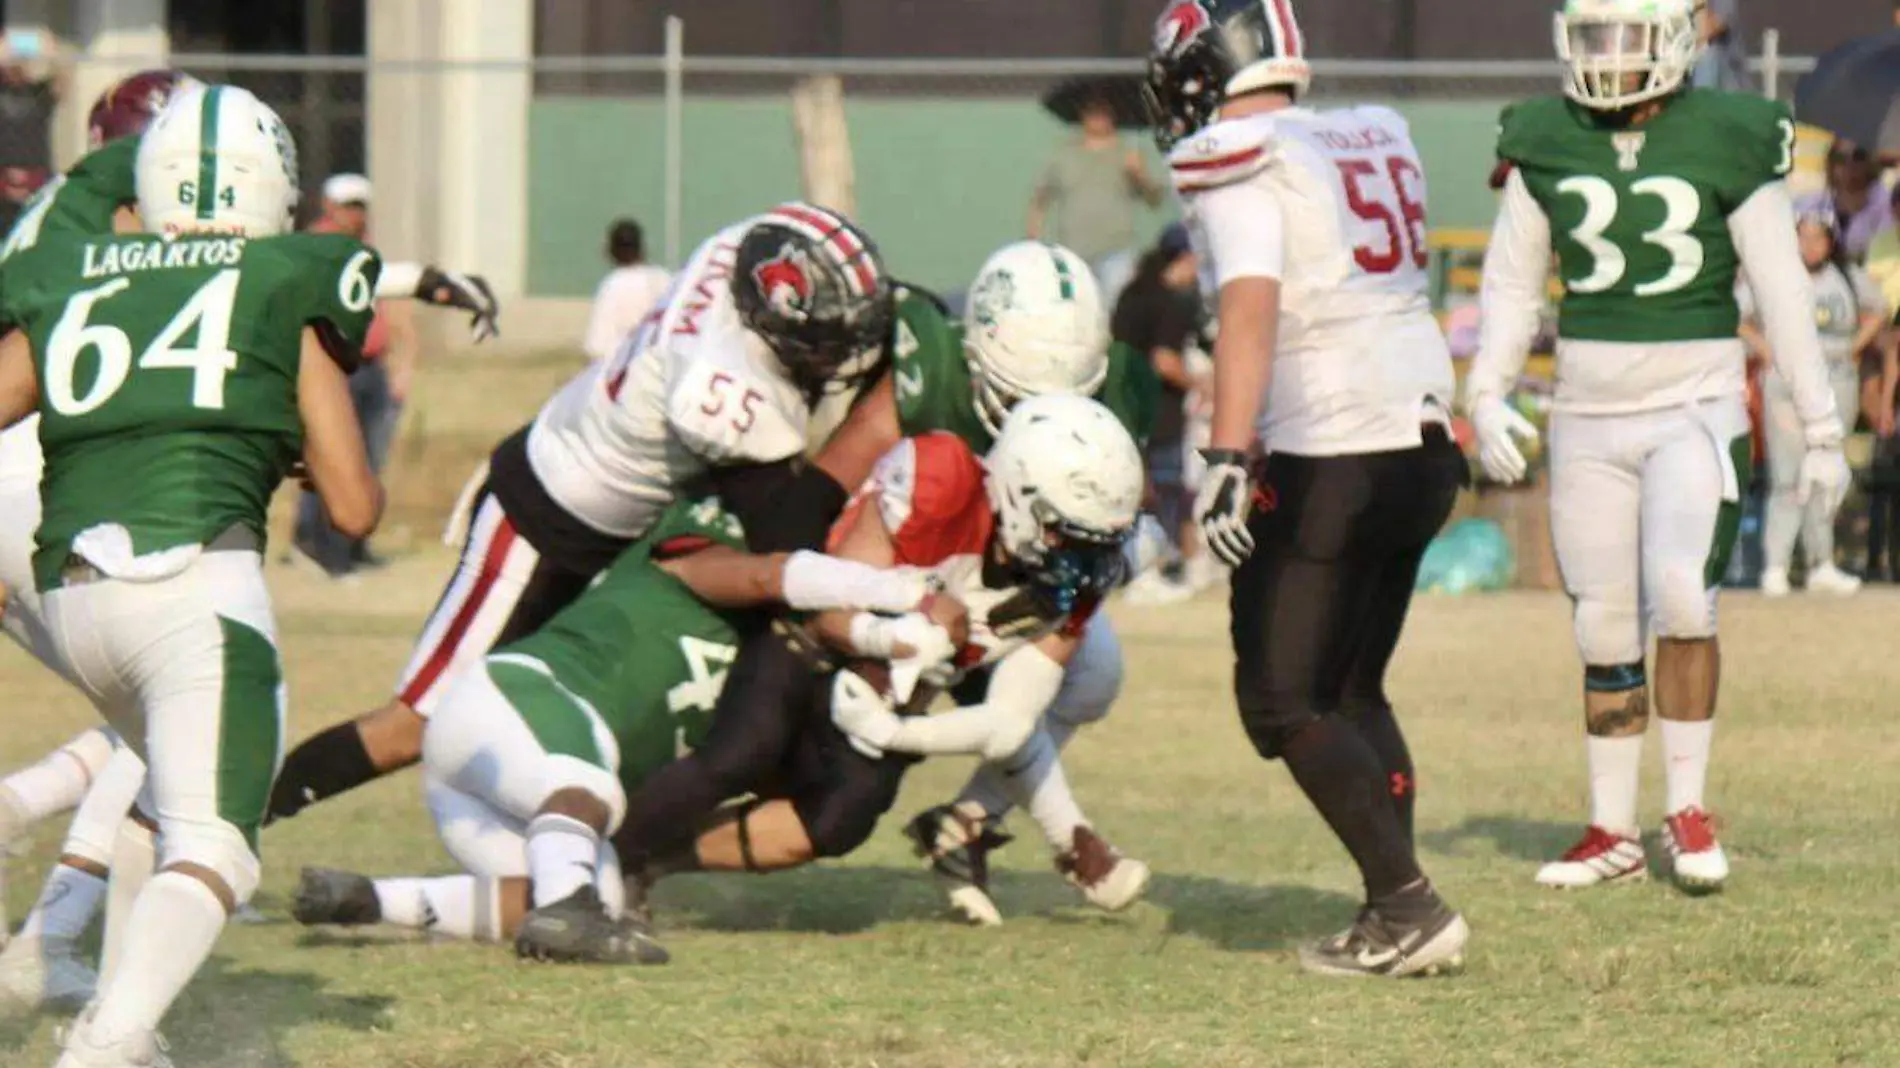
pixel 833 231
pixel 1232 159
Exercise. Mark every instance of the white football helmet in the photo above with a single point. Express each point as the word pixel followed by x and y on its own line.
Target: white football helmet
pixel 217 159
pixel 1034 324
pixel 1065 481
pixel 1622 52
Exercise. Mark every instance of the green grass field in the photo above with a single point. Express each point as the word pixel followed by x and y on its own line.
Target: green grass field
pixel 855 964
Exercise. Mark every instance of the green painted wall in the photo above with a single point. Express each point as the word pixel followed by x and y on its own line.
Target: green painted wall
pixel 941 182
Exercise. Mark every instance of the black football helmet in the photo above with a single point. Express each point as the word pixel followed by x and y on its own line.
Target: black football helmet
pixel 813 286
pixel 1207 51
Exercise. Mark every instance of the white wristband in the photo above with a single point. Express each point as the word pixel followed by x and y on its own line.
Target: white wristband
pixel 399 280
pixel 815 582
pixel 871 636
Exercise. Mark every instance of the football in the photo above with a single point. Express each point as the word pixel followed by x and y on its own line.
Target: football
pixel 945 611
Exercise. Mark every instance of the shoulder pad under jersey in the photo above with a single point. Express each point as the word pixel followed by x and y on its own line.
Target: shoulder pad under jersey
pixel 1222 154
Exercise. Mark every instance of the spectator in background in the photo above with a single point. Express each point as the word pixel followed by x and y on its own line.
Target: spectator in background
pixel 1091 190
pixel 1883 254
pixel 631 290
pixel 1849 313
pixel 1854 199
pixel 379 387
pixel 1158 315
pixel 1724 62
pixel 29 92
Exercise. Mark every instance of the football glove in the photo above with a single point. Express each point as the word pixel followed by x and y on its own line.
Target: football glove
pixel 1824 476
pixel 470 292
pixel 1222 505
pixel 1499 429
pixel 862 714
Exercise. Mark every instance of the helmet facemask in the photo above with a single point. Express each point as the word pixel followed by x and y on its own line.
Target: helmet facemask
pixel 1617 59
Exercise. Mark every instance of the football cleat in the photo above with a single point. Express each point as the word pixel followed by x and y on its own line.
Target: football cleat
pixel 1695 857
pixel 328 896
pixel 956 840
pixel 1106 878
pixel 35 974
pixel 1599 857
pixel 1378 947
pixel 578 930
pixel 1832 581
pixel 80 1048
pixel 1774 583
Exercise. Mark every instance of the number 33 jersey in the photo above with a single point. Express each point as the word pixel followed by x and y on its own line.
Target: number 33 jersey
pixel 168 375
pixel 1332 205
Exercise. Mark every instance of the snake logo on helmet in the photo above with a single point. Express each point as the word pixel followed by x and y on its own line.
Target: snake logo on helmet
pixel 1619 53
pixel 1208 51
pixel 1065 480
pixel 217 159
pixel 812 284
pixel 1034 324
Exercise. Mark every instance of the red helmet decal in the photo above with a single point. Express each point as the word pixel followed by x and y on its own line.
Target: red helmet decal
pixel 1179 26
pixel 785 282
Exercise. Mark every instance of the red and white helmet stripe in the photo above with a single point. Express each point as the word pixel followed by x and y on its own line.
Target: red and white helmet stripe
pixel 829 230
pixel 1288 41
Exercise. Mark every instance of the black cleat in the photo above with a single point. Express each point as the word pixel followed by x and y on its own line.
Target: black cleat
pixel 342 898
pixel 577 930
pixel 1375 946
pixel 957 841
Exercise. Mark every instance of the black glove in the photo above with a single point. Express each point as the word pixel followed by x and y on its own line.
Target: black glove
pixel 469 292
pixel 1222 505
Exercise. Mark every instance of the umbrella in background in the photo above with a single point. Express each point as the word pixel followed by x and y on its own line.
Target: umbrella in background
pixel 1854 91
pixel 1121 92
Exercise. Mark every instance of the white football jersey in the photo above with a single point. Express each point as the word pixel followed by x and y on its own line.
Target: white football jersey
pixel 1332 204
pixel 20 457
pixel 692 388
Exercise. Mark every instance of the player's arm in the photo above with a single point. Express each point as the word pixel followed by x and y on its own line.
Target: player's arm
pixel 1022 686
pixel 870 431
pixel 448 289
pixel 1246 238
pixel 19 382
pixel 333 456
pixel 725 577
pixel 1511 297
pixel 1763 232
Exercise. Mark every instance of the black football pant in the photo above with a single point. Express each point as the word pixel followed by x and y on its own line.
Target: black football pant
pixel 1317 612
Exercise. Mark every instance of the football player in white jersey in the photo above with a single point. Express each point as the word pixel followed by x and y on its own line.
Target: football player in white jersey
pixel 768 333
pixel 1311 229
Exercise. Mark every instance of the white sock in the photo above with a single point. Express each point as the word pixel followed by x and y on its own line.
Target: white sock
pixel 460 906
pixel 1616 766
pixel 563 855
pixel 1034 779
pixel 134 859
pixel 1686 762
pixel 58 781
pixel 173 928
pixel 68 901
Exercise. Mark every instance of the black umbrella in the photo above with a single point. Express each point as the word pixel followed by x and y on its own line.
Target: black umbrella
pixel 1121 92
pixel 1854 91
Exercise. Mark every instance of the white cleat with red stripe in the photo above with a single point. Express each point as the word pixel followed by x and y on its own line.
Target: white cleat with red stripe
pixel 1599 857
pixel 1695 857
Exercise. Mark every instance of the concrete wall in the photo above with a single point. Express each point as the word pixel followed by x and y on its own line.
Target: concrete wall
pixel 940 182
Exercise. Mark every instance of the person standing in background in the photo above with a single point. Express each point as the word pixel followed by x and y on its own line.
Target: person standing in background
pixel 629 292
pixel 1854 199
pixel 1158 316
pixel 30 87
pixel 1724 62
pixel 1090 190
pixel 1849 313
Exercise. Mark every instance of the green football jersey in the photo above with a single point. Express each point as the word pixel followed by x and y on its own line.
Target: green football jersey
pixel 168 374
pixel 81 201
pixel 639 647
pixel 1639 215
pixel 934 389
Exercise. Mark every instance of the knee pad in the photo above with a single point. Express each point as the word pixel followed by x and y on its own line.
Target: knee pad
pixel 482 839
pixel 214 845
pixel 1608 632
pixel 1270 729
pixel 1683 606
pixel 106 805
pixel 573 773
pixel 1093 679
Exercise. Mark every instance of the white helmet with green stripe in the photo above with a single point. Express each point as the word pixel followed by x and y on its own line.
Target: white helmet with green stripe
pixel 1623 52
pixel 1034 324
pixel 217 159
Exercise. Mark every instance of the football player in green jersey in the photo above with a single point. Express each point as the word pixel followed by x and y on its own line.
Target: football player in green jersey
pixel 178 381
pixel 1653 196
pixel 527 755
pixel 1034 325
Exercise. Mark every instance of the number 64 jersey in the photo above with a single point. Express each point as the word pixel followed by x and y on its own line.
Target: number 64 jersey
pixel 1332 205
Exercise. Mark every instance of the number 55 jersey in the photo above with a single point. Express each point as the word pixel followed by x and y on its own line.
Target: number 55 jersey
pixel 1332 205
pixel 168 379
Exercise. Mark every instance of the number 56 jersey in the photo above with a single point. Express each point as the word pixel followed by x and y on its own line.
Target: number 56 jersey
pixel 1332 205
pixel 168 376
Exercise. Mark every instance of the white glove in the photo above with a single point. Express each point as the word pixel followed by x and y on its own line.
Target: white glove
pixel 1222 506
pixel 933 656
pixel 1824 476
pixel 1499 429
pixel 861 713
